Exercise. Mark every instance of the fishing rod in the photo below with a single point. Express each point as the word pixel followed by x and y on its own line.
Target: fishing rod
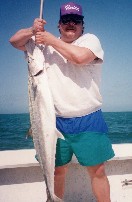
pixel 41 9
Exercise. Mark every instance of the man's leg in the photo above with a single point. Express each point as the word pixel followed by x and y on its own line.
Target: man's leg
pixel 60 173
pixel 100 183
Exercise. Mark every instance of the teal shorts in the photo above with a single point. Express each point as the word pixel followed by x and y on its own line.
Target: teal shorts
pixel 86 137
pixel 90 149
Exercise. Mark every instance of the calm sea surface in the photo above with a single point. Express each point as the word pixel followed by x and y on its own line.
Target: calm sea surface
pixel 14 127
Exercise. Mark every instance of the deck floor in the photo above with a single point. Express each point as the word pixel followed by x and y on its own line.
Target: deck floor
pixel 21 179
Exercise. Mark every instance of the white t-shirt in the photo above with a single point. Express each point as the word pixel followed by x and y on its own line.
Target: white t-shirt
pixel 75 88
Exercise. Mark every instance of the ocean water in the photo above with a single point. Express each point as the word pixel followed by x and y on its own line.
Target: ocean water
pixel 14 127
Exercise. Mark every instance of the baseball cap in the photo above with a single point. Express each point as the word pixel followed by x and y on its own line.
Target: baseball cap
pixel 71 8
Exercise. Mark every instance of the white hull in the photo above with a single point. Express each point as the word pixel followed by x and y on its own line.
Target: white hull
pixel 21 179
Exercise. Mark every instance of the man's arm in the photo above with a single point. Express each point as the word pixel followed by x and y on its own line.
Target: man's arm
pixel 20 38
pixel 73 53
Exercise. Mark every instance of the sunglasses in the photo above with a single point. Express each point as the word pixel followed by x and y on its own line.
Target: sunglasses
pixel 65 21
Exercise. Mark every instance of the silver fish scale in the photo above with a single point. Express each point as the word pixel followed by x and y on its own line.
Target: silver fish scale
pixel 36 129
pixel 42 113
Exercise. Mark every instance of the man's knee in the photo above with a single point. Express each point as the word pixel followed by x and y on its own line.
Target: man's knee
pixel 97 171
pixel 61 171
pixel 100 171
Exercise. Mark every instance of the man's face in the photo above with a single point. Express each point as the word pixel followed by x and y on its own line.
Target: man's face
pixel 70 28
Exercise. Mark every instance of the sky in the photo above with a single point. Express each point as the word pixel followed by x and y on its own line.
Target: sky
pixel 110 21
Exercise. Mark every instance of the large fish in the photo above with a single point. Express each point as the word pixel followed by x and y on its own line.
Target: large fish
pixel 42 117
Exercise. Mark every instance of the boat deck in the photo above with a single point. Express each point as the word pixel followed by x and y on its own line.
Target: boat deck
pixel 21 179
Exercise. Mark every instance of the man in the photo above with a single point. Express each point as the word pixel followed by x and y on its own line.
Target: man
pixel 73 64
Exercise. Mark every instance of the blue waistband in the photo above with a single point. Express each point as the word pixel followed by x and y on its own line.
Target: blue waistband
pixel 93 122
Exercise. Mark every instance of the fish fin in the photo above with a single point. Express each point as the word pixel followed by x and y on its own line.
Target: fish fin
pixel 59 135
pixel 29 133
pixel 55 199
